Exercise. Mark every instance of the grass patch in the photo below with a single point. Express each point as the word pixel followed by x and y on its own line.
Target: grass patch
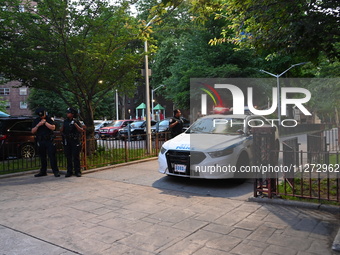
pixel 308 200
pixel 107 157
pixel 313 190
pixel 102 157
pixel 334 159
pixel 19 165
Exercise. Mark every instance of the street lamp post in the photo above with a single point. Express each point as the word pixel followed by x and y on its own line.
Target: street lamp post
pixel 117 113
pixel 277 76
pixel 152 96
pixel 147 94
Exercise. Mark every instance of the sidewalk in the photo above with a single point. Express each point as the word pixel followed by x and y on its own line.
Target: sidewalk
pixel 127 210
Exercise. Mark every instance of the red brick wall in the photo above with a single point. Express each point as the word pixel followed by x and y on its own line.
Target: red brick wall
pixel 14 98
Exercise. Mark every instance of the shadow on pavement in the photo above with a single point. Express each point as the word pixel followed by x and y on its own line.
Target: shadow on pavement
pixel 228 188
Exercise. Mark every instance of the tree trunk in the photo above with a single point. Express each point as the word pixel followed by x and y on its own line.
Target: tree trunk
pixel 88 120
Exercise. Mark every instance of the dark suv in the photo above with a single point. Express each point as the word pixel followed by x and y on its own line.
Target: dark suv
pixel 137 130
pixel 16 139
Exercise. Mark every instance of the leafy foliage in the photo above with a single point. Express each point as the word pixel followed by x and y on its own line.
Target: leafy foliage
pixel 188 55
pixel 68 47
pixel 286 27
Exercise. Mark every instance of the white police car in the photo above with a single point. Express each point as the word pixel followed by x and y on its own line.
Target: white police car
pixel 212 148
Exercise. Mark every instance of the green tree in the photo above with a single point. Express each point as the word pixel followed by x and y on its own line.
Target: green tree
pixel 325 101
pixel 296 28
pixel 303 28
pixel 57 107
pixel 78 50
pixel 48 99
pixel 187 54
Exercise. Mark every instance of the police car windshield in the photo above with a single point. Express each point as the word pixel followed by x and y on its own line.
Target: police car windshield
pixel 228 126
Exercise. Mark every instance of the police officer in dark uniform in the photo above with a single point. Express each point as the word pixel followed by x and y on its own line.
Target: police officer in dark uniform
pixel 43 127
pixel 71 131
pixel 176 123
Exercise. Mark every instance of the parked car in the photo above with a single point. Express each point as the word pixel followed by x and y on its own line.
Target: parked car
pixel 16 139
pixel 100 124
pixel 214 147
pixel 137 130
pixel 163 126
pixel 111 131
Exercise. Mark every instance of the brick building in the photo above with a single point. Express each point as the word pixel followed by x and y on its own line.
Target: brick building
pixel 15 98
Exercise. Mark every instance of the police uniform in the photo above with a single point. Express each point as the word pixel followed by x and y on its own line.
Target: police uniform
pixel 178 128
pixel 45 142
pixel 72 144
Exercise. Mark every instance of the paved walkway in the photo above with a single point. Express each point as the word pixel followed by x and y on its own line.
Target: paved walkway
pixel 106 213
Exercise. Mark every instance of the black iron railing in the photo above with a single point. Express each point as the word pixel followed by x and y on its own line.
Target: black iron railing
pixel 310 174
pixel 103 153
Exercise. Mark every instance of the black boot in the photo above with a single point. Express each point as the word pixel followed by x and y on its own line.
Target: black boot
pixel 68 174
pixel 78 174
pixel 56 174
pixel 40 174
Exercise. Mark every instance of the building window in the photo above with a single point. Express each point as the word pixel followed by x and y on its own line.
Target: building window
pixel 8 105
pixel 4 91
pixel 23 105
pixel 23 91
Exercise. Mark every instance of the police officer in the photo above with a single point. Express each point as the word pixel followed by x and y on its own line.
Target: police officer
pixel 71 131
pixel 43 127
pixel 176 123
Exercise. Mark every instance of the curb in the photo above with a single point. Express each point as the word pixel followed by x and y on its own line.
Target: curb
pixel 314 206
pixel 83 172
pixel 118 165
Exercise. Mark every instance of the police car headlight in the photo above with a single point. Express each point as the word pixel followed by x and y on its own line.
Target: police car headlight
pixel 163 150
pixel 221 153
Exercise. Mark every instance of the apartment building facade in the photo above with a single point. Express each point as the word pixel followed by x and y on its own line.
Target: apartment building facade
pixel 15 98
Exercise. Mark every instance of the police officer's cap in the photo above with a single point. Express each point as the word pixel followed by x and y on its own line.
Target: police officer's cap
pixel 71 110
pixel 40 111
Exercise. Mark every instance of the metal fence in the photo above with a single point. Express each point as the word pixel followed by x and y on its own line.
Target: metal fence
pixel 104 153
pixel 332 139
pixel 311 174
pixel 114 151
pixel 316 174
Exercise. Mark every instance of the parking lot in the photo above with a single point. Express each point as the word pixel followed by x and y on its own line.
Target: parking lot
pixel 132 209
